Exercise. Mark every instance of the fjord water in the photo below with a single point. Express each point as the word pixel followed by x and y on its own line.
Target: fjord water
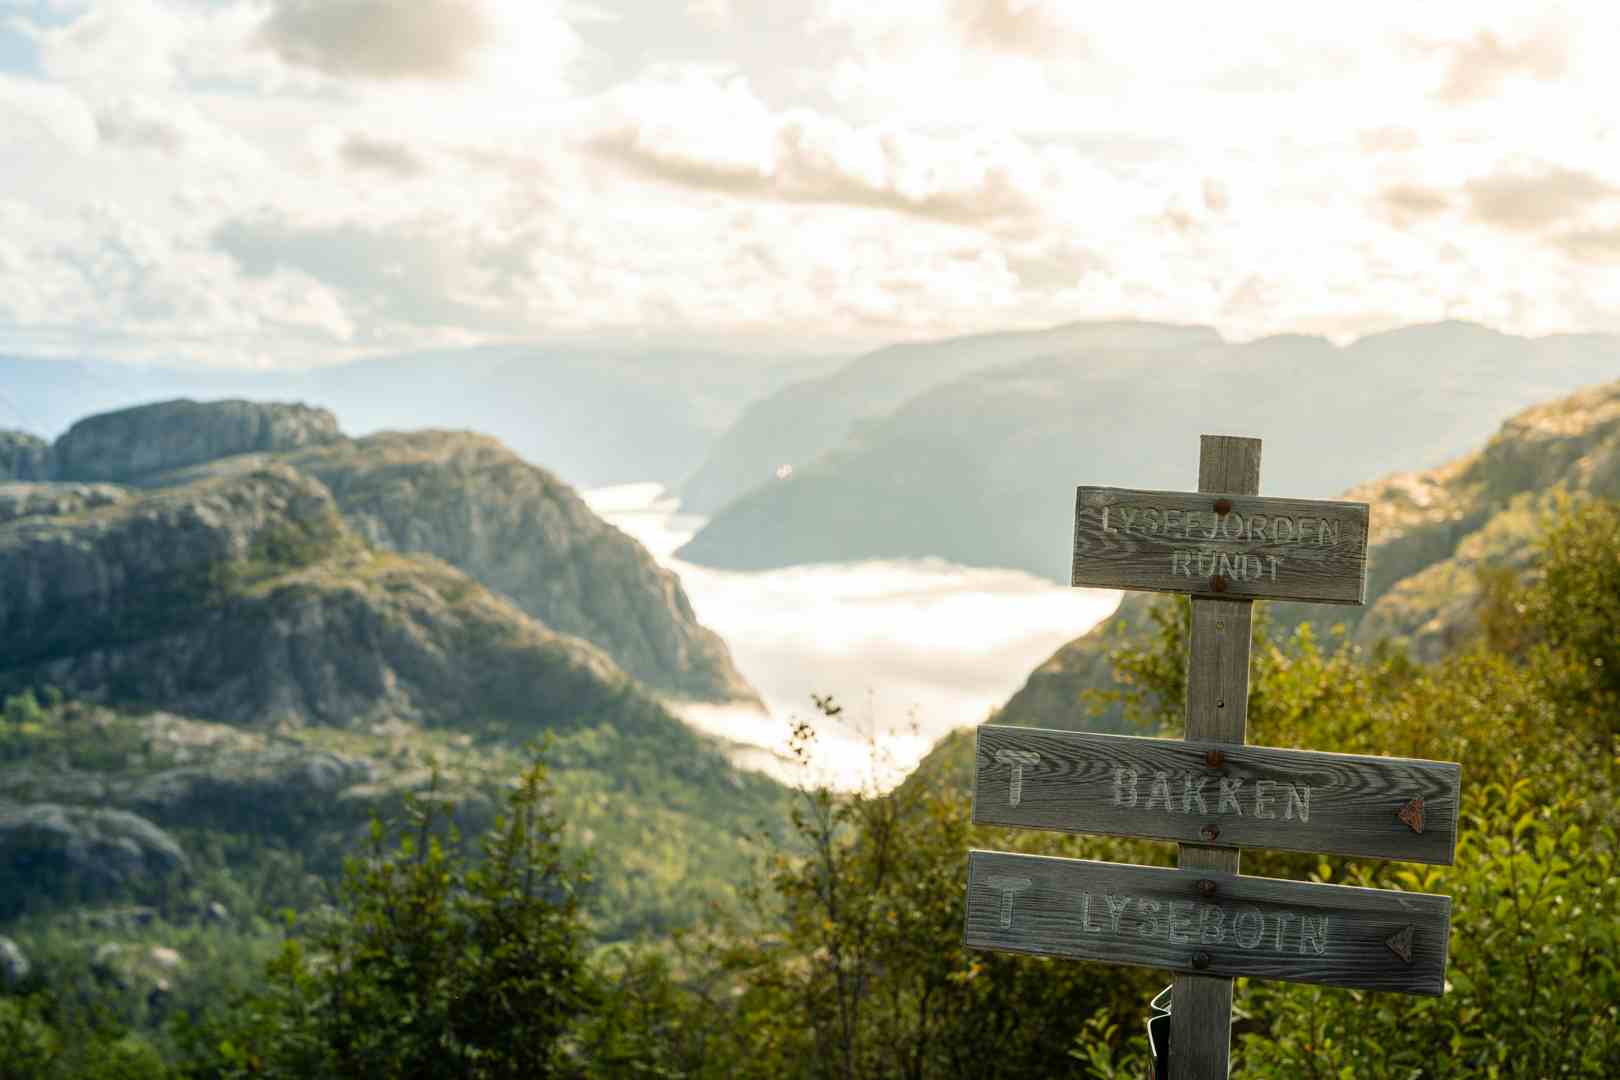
pixel 911 648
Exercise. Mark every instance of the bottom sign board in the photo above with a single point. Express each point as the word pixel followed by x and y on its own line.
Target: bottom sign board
pixel 1207 922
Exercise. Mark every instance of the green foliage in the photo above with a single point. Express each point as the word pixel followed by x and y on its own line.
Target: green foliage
pixel 841 955
pixel 1534 986
pixel 432 965
pixel 40 1039
pixel 1575 609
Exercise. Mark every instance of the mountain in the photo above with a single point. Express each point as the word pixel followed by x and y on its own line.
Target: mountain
pixel 231 672
pixel 799 422
pixel 462 497
pixel 594 414
pixel 1431 532
pixel 981 469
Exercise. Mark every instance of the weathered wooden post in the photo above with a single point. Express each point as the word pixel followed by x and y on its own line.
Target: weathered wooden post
pixel 1217 711
pixel 1226 546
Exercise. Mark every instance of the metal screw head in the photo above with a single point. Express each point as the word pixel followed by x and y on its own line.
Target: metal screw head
pixel 1218 583
pixel 1200 960
pixel 1223 506
pixel 1209 832
pixel 1214 759
pixel 1206 888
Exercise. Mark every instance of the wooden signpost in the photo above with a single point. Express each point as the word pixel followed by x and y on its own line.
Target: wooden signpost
pixel 1226 546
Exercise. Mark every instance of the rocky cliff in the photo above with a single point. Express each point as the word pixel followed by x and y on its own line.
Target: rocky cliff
pixel 246 598
pixel 131 443
pixel 519 530
pixel 247 679
pixel 23 457
pixel 465 498
pixel 1431 532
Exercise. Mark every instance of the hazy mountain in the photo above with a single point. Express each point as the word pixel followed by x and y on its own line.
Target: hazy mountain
pixel 462 497
pixel 982 469
pixel 797 423
pixel 593 415
pixel 1430 531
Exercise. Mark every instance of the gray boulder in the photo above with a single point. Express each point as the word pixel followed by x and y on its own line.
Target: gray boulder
pixel 20 500
pixel 23 456
pixel 132 443
pixel 49 851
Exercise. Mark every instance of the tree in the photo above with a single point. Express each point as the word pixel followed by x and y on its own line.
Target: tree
pixel 431 964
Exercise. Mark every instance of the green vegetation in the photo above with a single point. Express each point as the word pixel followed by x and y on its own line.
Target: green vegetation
pixel 840 956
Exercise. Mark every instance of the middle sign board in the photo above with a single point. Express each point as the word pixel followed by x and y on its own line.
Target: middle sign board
pixel 1217 793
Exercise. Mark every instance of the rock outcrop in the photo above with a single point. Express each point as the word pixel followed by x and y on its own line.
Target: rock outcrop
pixel 55 500
pixel 23 457
pixel 244 598
pixel 516 528
pixel 459 496
pixel 129 444
pixel 50 851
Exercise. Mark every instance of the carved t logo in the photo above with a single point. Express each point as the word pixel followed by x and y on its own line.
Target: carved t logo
pixel 1017 759
pixel 1007 886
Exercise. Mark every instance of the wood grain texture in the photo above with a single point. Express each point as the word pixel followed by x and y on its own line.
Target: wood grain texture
pixel 1164 789
pixel 1217 711
pixel 1263 548
pixel 1264 928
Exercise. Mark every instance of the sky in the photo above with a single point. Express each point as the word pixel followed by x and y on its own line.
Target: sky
pixel 281 183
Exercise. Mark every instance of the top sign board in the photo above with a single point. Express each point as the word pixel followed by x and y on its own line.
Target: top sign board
pixel 1242 547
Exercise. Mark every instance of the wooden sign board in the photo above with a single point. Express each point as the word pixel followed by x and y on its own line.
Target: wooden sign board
pixel 1253 547
pixel 1208 923
pixel 1251 796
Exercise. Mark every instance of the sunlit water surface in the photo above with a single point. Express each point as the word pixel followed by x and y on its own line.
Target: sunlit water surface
pixel 911 648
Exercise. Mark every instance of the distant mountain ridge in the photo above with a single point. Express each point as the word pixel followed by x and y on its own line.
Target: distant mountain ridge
pixel 1430 532
pixel 799 422
pixel 981 468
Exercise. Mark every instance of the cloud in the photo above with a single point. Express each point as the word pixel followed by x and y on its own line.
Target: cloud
pixel 1405 203
pixel 407 274
pixel 379 39
pixel 1032 27
pixel 128 44
pixel 1387 140
pixel 30 110
pixel 698 134
pixel 1591 245
pixel 1480 65
pixel 1528 200
pixel 381 155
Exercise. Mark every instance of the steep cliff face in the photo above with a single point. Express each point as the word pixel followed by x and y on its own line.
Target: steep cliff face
pixel 131 443
pixel 1431 532
pixel 245 598
pixel 463 497
pixel 516 528
pixel 23 457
